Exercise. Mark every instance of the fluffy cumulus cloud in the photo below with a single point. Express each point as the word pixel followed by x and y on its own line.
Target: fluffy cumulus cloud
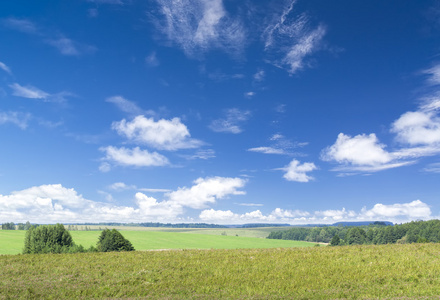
pixel 54 203
pixel 135 157
pixel 397 213
pixel 207 190
pixel 414 210
pixel 163 134
pixel 361 153
pixel 295 171
pixel 358 150
pixel 200 25
pixel 232 121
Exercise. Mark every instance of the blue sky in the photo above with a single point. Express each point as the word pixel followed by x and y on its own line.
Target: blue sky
pixel 219 111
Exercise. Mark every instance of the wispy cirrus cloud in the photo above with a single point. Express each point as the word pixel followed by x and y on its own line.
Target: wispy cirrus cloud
pixel 32 92
pixel 5 68
pixel 65 46
pixel 279 145
pixel 200 25
pixel 128 106
pixel 29 91
pixel 17 118
pixel 22 25
pixel 232 121
pixel 292 36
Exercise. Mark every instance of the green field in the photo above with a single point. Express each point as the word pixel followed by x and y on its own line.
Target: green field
pixel 408 271
pixel 12 241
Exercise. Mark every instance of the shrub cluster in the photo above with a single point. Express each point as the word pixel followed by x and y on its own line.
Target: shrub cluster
pixel 57 239
pixel 112 240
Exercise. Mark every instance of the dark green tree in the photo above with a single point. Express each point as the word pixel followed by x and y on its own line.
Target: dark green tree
pixel 8 226
pixel 47 239
pixel 335 241
pixel 112 240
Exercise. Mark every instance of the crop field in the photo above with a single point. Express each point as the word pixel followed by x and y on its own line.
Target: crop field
pixel 350 272
pixel 12 241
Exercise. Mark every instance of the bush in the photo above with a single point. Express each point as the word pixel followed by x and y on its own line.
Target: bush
pixel 48 239
pixel 112 240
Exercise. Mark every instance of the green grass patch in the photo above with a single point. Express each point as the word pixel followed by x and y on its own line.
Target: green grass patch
pixel 12 241
pixel 349 272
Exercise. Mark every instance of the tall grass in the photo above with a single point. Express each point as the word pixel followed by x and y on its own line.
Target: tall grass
pixel 361 272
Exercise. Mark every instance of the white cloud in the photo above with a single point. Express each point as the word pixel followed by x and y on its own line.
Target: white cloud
pixel 259 76
pixel 267 150
pixel 250 204
pixel 417 128
pixel 231 123
pixel 17 118
pixel 292 34
pixel 360 150
pixel 28 92
pixel 397 213
pixel 120 186
pixel 295 171
pixel 250 94
pixel 207 190
pixel 200 25
pixel 163 134
pixel 280 145
pixel 133 157
pixel 305 46
pixel 5 68
pixel 126 106
pixel 54 203
pixel 201 154
pixel 22 25
pixel 433 74
pixel 433 168
pixel 413 210
pixel 32 92
pixel 151 207
pixel 65 45
pixel 152 60
pixel 335 215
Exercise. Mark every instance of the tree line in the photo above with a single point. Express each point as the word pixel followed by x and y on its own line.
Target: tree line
pixel 19 226
pixel 57 239
pixel 412 232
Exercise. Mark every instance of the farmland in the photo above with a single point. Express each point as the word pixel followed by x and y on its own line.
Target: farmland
pixel 12 241
pixel 385 271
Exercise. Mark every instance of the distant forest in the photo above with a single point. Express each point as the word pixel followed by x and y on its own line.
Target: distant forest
pixel 376 233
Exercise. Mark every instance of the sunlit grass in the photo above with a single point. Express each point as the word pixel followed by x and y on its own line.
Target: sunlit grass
pixel 361 272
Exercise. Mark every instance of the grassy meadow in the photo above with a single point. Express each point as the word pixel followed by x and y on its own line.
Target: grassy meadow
pixel 12 241
pixel 350 272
